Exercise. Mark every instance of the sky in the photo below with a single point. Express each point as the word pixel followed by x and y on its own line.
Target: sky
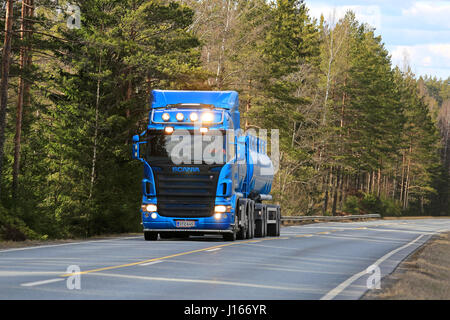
pixel 418 30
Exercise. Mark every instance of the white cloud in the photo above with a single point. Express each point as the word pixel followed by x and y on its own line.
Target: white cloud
pixel 418 28
pixel 424 59
pixel 426 14
pixel 427 61
pixel 442 50
pixel 368 14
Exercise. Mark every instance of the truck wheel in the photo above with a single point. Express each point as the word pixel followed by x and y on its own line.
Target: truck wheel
pixel 264 222
pixel 258 228
pixel 278 222
pixel 229 236
pixel 271 230
pixel 252 220
pixel 150 236
pixel 242 233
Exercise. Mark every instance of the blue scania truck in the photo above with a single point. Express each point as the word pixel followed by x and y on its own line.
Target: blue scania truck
pixel 202 175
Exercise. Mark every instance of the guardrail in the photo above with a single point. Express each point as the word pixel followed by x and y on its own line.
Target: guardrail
pixel 329 218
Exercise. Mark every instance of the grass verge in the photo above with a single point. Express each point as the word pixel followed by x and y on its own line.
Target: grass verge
pixel 35 243
pixel 425 275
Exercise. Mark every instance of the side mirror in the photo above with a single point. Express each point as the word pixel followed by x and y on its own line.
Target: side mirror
pixel 136 138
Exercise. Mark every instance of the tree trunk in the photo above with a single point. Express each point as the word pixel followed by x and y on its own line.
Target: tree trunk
pixel 329 177
pixel 220 64
pixel 403 177
pixel 94 156
pixel 23 90
pixel 6 63
pixel 336 186
pixel 406 196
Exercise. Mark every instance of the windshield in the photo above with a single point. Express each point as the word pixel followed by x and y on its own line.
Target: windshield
pixel 186 147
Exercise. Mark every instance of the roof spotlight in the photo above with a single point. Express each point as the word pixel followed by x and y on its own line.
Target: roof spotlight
pixel 193 117
pixel 207 117
pixel 166 116
pixel 180 116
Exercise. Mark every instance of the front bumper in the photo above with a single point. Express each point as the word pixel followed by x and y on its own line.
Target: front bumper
pixel 190 230
pixel 205 224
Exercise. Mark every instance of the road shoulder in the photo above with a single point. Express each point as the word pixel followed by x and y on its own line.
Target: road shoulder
pixel 424 275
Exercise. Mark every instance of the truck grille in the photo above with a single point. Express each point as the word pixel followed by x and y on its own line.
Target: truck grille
pixel 185 195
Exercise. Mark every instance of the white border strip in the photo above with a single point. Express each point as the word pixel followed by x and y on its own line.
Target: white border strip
pixel 67 244
pixel 333 293
pixel 37 283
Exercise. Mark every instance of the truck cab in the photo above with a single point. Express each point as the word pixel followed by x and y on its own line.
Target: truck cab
pixel 200 172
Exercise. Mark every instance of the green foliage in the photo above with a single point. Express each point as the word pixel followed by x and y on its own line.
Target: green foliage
pixel 371 204
pixel 351 205
pixel 356 135
pixel 14 229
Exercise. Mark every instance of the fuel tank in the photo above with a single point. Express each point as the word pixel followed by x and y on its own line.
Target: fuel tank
pixel 260 170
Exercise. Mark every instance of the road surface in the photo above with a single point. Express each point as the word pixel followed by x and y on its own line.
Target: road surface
pixel 316 261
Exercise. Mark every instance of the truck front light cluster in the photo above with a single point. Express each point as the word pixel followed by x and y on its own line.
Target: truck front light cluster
pixel 149 208
pixel 166 116
pixel 194 117
pixel 222 209
pixel 180 116
pixel 168 130
pixel 207 117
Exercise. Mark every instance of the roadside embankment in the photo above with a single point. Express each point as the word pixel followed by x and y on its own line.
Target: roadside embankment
pixel 425 275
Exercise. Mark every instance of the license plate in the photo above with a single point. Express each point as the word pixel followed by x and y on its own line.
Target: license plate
pixel 185 224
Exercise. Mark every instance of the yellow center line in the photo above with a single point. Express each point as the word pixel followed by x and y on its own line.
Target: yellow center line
pixel 304 236
pixel 163 258
pixel 324 232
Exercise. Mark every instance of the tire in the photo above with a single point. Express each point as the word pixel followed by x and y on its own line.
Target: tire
pixel 150 236
pixel 264 222
pixel 259 229
pixel 229 236
pixel 271 230
pixel 278 222
pixel 250 220
pixel 242 232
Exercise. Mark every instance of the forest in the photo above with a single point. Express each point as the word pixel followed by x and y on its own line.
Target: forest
pixel 357 134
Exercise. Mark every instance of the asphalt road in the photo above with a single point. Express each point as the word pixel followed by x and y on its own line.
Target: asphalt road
pixel 317 261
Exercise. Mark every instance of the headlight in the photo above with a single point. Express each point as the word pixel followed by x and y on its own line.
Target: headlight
pixel 180 116
pixel 193 117
pixel 150 207
pixel 207 117
pixel 168 130
pixel 166 116
pixel 220 209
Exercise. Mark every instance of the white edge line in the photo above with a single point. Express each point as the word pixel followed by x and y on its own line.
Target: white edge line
pixel 211 250
pixel 66 244
pixel 150 263
pixel 37 283
pixel 334 292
